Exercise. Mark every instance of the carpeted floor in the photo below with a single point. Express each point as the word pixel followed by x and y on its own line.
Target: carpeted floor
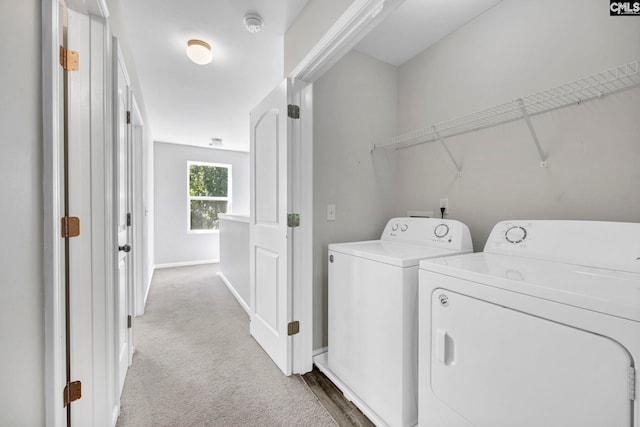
pixel 196 364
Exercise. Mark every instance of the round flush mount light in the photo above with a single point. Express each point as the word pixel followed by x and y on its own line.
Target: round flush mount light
pixel 253 22
pixel 199 51
pixel 215 141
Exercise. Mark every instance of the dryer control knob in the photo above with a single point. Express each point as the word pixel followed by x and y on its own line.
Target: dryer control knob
pixel 394 227
pixel 515 234
pixel 441 230
pixel 404 227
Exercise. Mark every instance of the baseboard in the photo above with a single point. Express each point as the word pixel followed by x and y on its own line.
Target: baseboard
pixel 320 350
pixel 235 293
pixel 186 263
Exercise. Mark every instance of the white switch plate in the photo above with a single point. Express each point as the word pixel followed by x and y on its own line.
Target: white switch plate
pixel 331 212
pixel 444 203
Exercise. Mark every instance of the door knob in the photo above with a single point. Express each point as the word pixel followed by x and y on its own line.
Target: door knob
pixel 125 248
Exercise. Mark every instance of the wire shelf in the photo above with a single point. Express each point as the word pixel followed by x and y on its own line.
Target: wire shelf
pixel 614 80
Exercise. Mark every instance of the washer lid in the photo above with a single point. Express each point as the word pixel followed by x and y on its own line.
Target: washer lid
pixel 400 254
pixel 613 292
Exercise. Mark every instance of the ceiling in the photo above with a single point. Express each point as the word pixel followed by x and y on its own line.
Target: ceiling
pixel 188 103
pixel 191 104
pixel 417 24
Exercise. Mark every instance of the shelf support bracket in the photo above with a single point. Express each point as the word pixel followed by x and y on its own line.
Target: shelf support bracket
pixel 527 119
pixel 444 145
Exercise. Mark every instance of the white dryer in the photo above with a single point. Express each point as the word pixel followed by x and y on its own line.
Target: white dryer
pixel 540 329
pixel 372 310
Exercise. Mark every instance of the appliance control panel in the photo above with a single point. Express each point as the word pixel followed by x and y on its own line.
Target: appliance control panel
pixel 441 233
pixel 613 245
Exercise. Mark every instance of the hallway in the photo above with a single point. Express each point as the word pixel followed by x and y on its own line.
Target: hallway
pixel 195 363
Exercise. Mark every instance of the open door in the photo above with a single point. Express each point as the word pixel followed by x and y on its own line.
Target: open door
pixel 123 317
pixel 270 234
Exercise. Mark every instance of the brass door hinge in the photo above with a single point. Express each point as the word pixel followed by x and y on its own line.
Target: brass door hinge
pixel 128 117
pixel 129 321
pixel 69 59
pixel 72 392
pixel 293 328
pixel 70 226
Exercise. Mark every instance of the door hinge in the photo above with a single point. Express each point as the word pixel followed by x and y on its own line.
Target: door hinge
pixel 69 59
pixel 293 220
pixel 129 321
pixel 70 226
pixel 293 111
pixel 128 117
pixel 128 220
pixel 632 383
pixel 72 392
pixel 293 328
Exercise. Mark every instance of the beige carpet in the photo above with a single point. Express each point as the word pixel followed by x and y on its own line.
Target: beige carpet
pixel 196 364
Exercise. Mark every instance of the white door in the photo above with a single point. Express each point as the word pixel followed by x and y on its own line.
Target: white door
pixel 498 367
pixel 122 311
pixel 270 242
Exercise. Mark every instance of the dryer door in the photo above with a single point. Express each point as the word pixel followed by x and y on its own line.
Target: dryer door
pixel 498 367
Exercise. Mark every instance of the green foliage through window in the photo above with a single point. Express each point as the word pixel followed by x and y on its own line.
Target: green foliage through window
pixel 208 181
pixel 208 195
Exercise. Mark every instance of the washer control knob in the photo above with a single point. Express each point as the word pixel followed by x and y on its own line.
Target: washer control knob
pixel 441 230
pixel 515 234
pixel 394 227
pixel 404 227
pixel 330 258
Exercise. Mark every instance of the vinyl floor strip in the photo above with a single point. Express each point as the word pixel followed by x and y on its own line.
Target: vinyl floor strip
pixel 345 413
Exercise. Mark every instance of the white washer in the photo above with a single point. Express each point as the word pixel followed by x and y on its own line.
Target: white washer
pixel 540 329
pixel 372 306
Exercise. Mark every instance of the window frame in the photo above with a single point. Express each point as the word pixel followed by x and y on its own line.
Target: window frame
pixel 190 197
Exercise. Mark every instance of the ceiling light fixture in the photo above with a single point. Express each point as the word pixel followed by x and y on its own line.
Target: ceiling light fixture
pixel 215 141
pixel 253 22
pixel 199 51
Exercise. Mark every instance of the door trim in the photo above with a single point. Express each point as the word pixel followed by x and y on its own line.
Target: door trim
pixel 51 163
pixel 96 226
pixel 354 24
pixel 139 237
pixel 302 177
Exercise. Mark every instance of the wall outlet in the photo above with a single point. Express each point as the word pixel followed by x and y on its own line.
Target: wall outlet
pixel 331 212
pixel 444 203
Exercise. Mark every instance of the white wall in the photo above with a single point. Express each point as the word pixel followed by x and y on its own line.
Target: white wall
pixel 235 256
pixel 173 243
pixel 353 104
pixel 21 281
pixel 149 211
pixel 312 23
pixel 515 49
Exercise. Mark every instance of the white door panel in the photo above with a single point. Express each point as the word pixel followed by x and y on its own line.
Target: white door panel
pixel 267 287
pixel 266 151
pixel 499 367
pixel 270 293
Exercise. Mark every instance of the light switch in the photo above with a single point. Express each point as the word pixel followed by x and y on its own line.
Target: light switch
pixel 331 212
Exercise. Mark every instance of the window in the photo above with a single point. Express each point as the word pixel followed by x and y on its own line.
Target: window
pixel 209 190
